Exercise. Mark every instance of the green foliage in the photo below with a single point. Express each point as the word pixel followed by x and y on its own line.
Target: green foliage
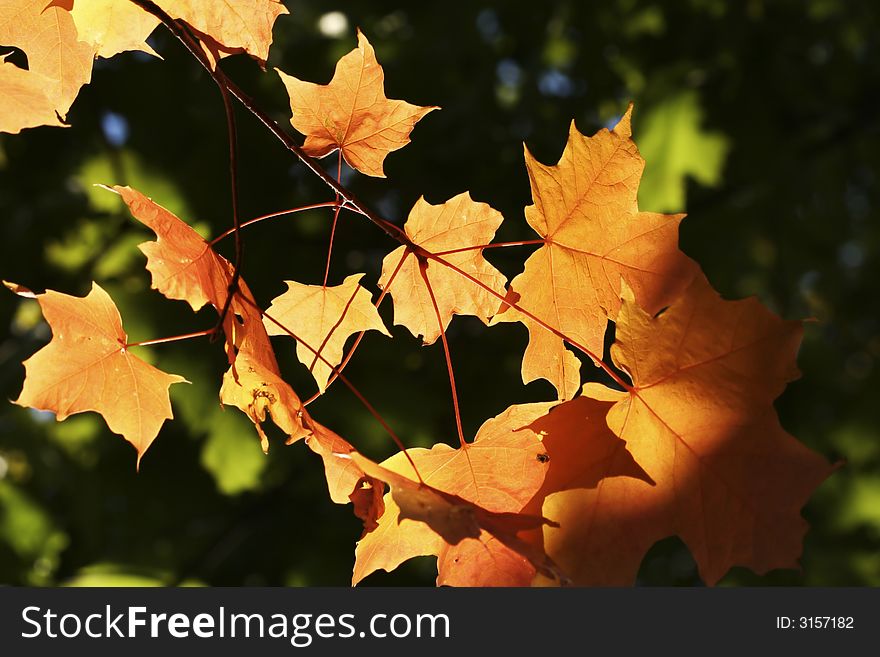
pixel 673 142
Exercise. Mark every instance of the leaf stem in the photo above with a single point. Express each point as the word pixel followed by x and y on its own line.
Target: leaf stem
pixel 496 245
pixel 273 215
pixel 423 270
pixel 335 219
pixel 173 338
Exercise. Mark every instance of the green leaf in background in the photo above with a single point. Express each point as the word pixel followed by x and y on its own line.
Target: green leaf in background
pixel 674 144
pixel 117 574
pixel 124 167
pixel 232 453
pixel 29 532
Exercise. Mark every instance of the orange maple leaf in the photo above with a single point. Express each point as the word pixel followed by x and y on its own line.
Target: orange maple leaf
pixel 87 367
pixel 352 113
pixel 586 210
pixel 230 26
pixel 323 318
pixel 583 455
pixel 23 100
pixel 48 36
pixel 579 452
pixel 461 225
pixel 499 473
pixel 185 267
pixel 700 421
pixel 112 27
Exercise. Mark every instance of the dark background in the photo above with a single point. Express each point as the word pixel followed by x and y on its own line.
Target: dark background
pixel 759 119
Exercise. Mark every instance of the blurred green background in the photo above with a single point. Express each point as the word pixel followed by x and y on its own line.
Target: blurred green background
pixel 759 119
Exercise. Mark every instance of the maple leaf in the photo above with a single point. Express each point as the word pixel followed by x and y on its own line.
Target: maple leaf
pixel 48 37
pixel 23 101
pixel 185 267
pixel 458 224
pixel 352 113
pixel 470 510
pixel 323 318
pixel 112 27
pixel 586 210
pixel 230 26
pixel 182 264
pixel 584 456
pixel 579 452
pixel 87 367
pixel 700 421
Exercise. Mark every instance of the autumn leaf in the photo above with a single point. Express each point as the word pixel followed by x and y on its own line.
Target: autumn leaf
pixel 579 449
pixel 236 25
pixel 352 113
pixel 112 27
pixel 23 100
pixel 256 389
pixel 48 37
pixel 87 367
pixel 185 267
pixel 499 473
pixel 323 318
pixel 700 421
pixel 584 457
pixel 586 211
pixel 580 452
pixel 461 225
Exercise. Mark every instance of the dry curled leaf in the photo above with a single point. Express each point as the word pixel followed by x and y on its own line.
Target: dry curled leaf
pixel 346 481
pixel 185 267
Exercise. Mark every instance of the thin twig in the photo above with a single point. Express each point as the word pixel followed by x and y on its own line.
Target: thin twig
pixel 495 245
pixel 272 215
pixel 173 338
pixel 423 270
